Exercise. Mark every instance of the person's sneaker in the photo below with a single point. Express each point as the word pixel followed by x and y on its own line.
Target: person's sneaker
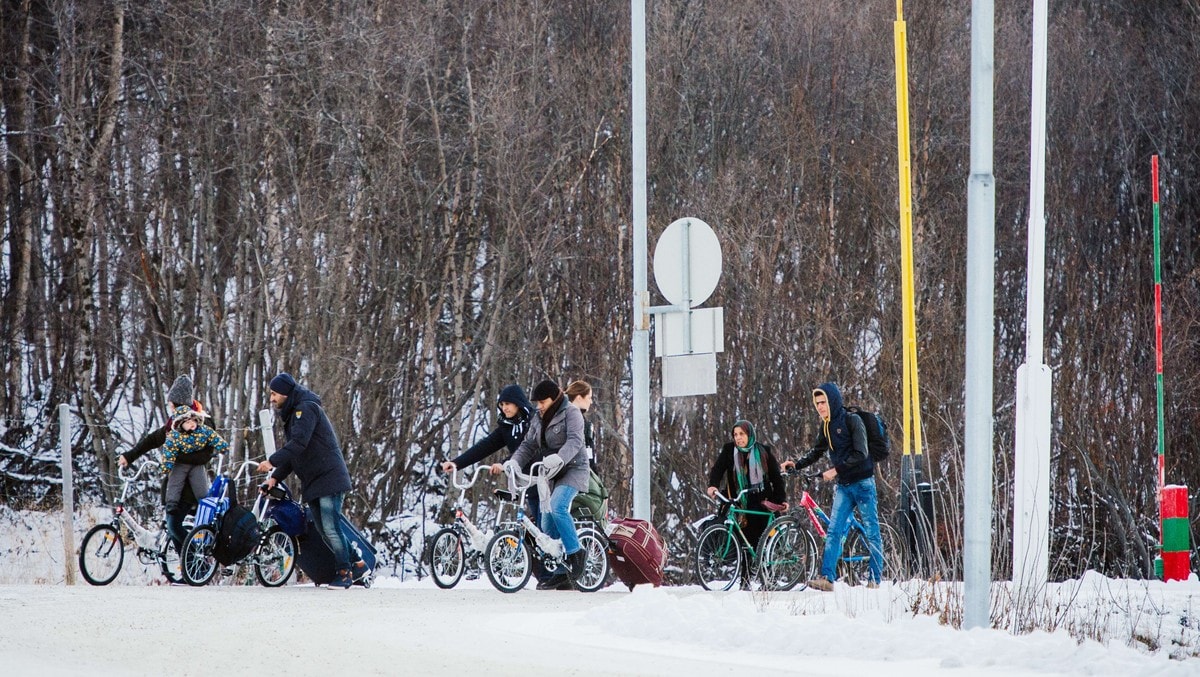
pixel 821 583
pixel 871 585
pixel 576 563
pixel 359 570
pixel 341 580
pixel 555 582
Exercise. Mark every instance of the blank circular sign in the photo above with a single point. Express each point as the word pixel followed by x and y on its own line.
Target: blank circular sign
pixel 693 281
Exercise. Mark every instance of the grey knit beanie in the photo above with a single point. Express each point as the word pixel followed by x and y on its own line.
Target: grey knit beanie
pixel 181 391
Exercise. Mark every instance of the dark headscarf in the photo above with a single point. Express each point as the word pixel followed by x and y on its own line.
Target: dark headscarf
pixel 747 461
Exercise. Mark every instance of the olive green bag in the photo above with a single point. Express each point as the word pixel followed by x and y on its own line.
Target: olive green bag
pixel 591 505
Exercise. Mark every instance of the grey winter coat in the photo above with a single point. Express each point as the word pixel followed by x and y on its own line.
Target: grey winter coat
pixel 564 436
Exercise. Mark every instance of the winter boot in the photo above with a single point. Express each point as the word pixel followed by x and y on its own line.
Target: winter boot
pixel 576 562
pixel 555 582
pixel 821 583
pixel 341 580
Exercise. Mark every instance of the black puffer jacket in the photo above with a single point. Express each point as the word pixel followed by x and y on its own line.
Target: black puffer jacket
pixel 312 450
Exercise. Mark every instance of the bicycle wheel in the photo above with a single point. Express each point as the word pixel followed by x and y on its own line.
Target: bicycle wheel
pixel 101 555
pixel 786 555
pixel 718 558
pixel 508 561
pixel 199 563
pixel 446 560
pixel 595 568
pixel 171 562
pixel 896 560
pixel 275 558
pixel 855 565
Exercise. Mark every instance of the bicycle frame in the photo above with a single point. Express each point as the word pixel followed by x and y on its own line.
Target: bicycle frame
pixel 519 545
pixel 731 521
pixel 474 538
pixel 820 522
pixel 550 550
pixel 145 539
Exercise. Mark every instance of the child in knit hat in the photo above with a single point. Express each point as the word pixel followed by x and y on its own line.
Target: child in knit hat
pixel 190 445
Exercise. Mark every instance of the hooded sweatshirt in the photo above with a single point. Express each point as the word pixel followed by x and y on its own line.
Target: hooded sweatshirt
pixel 844 437
pixel 509 432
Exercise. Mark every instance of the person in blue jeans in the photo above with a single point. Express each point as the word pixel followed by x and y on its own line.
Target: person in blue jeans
pixel 844 438
pixel 555 438
pixel 514 412
pixel 312 451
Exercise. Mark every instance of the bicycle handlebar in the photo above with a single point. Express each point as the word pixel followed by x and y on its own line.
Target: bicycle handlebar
pixel 796 472
pixel 515 474
pixel 474 475
pixel 722 498
pixel 145 465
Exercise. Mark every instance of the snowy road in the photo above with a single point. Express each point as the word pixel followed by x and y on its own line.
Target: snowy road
pixel 416 629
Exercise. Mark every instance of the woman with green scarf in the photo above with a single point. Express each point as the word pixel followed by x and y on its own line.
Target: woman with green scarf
pixel 746 463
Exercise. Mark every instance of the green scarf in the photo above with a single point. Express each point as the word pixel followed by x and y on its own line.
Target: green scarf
pixel 747 461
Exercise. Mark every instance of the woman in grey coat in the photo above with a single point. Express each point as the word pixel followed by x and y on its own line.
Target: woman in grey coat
pixel 555 438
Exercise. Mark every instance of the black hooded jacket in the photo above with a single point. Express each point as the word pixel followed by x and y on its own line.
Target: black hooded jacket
pixel 312 450
pixel 844 437
pixel 508 431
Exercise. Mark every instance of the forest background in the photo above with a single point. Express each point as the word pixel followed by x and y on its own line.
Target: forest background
pixel 409 205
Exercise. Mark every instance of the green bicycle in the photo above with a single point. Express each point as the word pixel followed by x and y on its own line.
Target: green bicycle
pixel 724 553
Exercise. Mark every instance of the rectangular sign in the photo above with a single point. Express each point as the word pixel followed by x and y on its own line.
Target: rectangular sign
pixel 685 375
pixel 700 330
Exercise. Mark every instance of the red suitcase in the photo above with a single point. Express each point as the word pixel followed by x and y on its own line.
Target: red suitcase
pixel 636 552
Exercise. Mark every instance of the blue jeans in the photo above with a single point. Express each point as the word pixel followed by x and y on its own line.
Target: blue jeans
pixel 845 498
pixel 558 523
pixel 533 509
pixel 326 513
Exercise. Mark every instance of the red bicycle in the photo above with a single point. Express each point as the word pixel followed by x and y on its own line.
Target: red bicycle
pixel 790 546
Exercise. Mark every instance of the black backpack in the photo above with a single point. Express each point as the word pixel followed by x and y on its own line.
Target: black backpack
pixel 878 445
pixel 238 535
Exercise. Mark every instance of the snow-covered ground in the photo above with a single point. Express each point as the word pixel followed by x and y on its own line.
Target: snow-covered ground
pixel 135 627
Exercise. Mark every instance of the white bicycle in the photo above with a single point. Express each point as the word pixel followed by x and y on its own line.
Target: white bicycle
pixel 509 556
pixel 103 550
pixel 459 548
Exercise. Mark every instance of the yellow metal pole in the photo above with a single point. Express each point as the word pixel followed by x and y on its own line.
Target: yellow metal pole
pixel 911 382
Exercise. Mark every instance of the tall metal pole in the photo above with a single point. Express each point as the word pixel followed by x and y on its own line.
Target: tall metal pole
pixel 1158 332
pixel 641 297
pixel 910 462
pixel 981 256
pixel 1031 469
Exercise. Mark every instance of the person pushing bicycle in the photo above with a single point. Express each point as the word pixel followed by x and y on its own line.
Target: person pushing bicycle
pixel 844 437
pixel 746 463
